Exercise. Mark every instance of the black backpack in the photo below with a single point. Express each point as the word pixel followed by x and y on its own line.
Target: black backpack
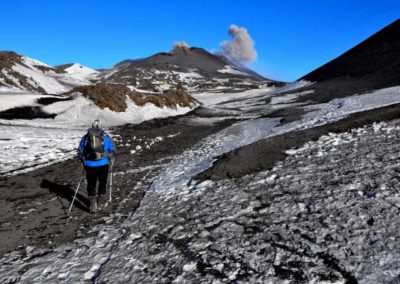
pixel 94 148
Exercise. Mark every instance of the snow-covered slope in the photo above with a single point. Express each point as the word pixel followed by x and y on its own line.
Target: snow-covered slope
pixel 28 74
pixel 17 99
pixel 54 139
pixel 192 68
pixel 24 73
pixel 80 70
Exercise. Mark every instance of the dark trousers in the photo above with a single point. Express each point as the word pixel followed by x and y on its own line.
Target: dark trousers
pixel 94 174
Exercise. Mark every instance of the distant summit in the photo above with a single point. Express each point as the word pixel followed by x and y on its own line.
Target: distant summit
pixel 191 68
pixel 18 72
pixel 77 69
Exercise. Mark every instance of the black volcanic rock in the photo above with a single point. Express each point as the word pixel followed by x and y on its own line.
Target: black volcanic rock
pixel 372 64
pixel 61 68
pixel 180 58
pixel 378 55
pixel 203 71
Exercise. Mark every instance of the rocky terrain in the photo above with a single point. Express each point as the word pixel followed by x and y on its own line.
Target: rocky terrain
pixel 114 96
pixel 193 69
pixel 21 73
pixel 276 225
pixel 189 68
pixel 371 65
pixel 164 80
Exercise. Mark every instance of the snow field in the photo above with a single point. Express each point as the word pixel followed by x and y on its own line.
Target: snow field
pixel 38 79
pixel 229 69
pixel 9 100
pixel 26 148
pixel 27 144
pixel 80 70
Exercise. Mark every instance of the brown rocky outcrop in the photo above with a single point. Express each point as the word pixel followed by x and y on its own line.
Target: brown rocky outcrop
pixel 114 96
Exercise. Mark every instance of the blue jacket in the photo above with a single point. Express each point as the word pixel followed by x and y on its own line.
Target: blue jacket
pixel 109 148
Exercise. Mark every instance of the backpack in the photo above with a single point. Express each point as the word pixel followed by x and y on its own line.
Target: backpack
pixel 94 147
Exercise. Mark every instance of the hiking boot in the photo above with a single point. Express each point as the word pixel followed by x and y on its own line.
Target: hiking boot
pixel 102 201
pixel 93 204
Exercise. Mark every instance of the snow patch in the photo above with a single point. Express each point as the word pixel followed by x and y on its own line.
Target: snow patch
pixel 80 70
pixel 229 69
pixel 18 99
pixel 38 79
pixel 287 98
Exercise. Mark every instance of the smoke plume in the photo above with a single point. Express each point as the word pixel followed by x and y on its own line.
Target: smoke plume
pixel 241 47
pixel 181 44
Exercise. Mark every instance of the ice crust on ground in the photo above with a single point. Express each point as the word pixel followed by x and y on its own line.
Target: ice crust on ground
pixel 322 213
pixel 80 112
pixel 248 97
pixel 196 160
pixel 313 210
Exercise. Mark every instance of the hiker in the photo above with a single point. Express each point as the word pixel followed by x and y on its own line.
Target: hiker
pixel 95 150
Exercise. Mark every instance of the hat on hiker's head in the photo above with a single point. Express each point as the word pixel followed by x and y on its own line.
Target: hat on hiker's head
pixel 96 124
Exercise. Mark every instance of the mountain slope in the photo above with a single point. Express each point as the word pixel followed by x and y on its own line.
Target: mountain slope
pixel 78 70
pixel 192 68
pixel 373 64
pixel 378 55
pixel 24 73
pixel 17 71
pixel 239 66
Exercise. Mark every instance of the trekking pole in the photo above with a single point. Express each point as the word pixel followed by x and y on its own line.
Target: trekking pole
pixel 111 176
pixel 76 191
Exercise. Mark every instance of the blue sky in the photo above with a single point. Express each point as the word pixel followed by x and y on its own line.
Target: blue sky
pixel 291 37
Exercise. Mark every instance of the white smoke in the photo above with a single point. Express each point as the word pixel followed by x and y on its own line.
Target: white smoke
pixel 241 47
pixel 181 44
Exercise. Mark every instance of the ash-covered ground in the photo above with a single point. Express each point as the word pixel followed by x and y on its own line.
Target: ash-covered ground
pixel 323 211
pixel 327 212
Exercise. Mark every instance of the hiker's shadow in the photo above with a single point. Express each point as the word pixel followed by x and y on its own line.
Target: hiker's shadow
pixel 65 192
